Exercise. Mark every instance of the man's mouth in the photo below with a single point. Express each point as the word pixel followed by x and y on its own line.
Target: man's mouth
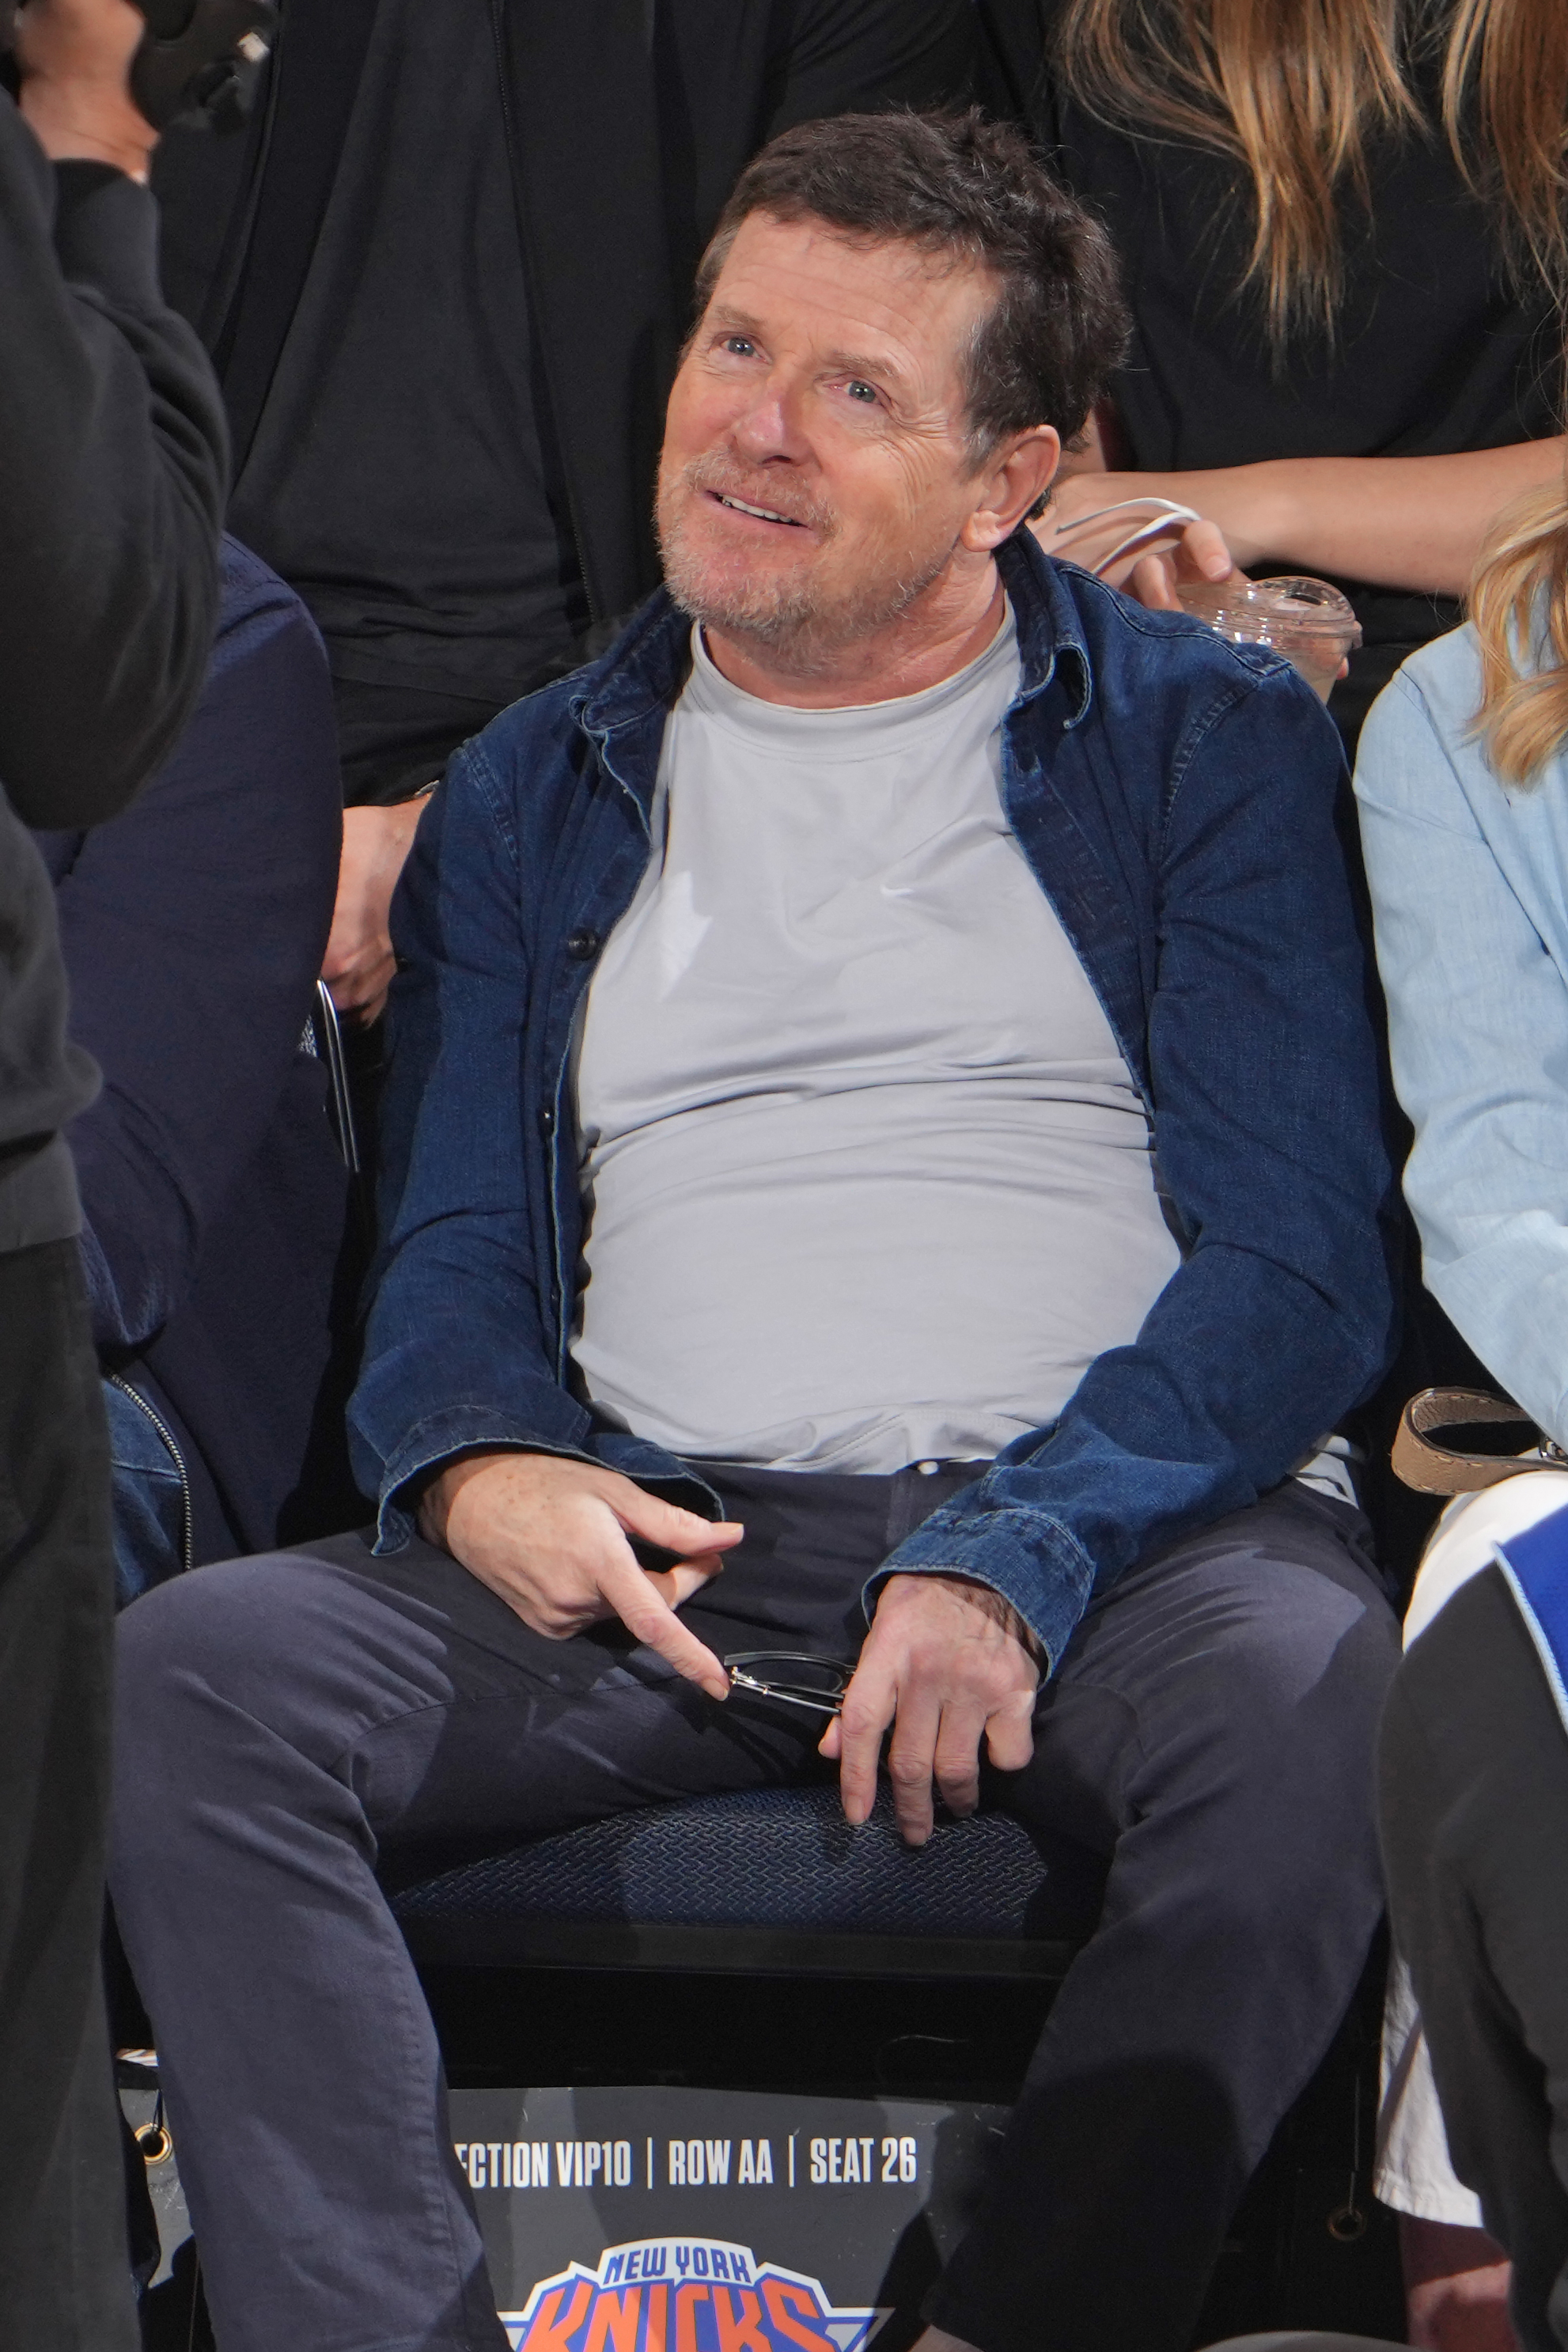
pixel 763 514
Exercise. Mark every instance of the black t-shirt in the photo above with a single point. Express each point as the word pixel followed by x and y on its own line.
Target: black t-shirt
pixel 1436 348
pixel 398 475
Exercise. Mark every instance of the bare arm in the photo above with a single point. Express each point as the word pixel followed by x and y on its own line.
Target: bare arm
pixel 1414 523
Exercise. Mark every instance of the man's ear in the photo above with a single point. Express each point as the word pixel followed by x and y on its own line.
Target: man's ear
pixel 1009 484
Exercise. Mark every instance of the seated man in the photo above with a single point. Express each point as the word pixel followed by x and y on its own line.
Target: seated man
pixel 881 1104
pixel 215 1198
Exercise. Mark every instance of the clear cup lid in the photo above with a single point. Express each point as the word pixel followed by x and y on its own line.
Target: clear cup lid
pixel 1270 612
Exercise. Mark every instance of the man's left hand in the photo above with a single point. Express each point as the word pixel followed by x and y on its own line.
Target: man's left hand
pixel 946 1663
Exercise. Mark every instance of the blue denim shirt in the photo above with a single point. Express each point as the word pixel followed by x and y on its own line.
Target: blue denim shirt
pixel 1469 883
pixel 1175 796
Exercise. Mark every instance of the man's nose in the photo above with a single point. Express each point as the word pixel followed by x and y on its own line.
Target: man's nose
pixel 769 426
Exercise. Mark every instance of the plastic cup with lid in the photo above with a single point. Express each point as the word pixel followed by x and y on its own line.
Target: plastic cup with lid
pixel 1307 621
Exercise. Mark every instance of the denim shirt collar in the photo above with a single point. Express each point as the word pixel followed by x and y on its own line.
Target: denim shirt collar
pixel 644 673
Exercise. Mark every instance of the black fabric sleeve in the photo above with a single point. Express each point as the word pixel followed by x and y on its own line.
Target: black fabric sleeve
pixel 112 466
pixel 845 57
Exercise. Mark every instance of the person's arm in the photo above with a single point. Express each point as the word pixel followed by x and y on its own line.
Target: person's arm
pixel 459 1422
pixel 457 1361
pixel 1267 1134
pixel 192 930
pixel 113 443
pixel 1414 523
pixel 1477 1013
pixel 457 1279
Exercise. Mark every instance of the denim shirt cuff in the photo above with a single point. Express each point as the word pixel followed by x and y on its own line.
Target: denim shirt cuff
pixel 459 1430
pixel 1033 1562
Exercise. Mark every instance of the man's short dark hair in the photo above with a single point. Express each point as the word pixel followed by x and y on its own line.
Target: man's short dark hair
pixel 959 186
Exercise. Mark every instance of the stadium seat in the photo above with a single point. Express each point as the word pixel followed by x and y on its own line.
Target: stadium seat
pixel 772 1879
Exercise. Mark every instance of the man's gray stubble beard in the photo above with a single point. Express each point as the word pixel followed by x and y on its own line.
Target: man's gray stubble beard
pixel 788 620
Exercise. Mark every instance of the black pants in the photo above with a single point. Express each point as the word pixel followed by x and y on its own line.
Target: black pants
pixel 1474 1773
pixel 65 2275
pixel 288 1724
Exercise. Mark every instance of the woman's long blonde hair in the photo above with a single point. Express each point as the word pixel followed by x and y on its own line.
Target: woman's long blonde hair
pixel 1296 90
pixel 1519 606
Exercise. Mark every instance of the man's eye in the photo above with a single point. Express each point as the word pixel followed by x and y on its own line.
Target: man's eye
pixel 741 345
pixel 859 390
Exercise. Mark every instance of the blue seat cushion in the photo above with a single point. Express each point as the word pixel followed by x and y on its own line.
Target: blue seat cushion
pixel 774 1869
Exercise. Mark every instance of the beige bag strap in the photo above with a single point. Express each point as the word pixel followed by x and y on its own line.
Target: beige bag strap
pixel 1438 1470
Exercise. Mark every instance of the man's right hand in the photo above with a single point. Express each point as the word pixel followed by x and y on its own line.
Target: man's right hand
pixel 359 963
pixel 75 60
pixel 551 1537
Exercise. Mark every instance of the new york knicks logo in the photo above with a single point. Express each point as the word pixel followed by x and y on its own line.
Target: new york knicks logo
pixel 683 2294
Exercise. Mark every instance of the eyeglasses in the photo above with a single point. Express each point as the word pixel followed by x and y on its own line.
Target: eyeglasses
pixel 794 1677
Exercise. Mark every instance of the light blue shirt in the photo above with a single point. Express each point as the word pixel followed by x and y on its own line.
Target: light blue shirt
pixel 1469 886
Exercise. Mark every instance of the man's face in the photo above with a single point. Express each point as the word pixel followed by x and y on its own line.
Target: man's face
pixel 815 473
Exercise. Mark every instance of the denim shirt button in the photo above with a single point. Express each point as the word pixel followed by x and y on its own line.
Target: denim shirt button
pixel 547 1120
pixel 583 944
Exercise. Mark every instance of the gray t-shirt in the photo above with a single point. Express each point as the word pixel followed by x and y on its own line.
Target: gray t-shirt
pixel 870 1181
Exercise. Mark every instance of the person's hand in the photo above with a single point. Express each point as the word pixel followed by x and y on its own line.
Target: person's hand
pixel 1456 2287
pixel 74 58
pixel 946 1663
pixel 1151 571
pixel 551 1537
pixel 359 961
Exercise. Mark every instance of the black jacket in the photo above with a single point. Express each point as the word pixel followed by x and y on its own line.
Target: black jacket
pixel 629 121
pixel 112 481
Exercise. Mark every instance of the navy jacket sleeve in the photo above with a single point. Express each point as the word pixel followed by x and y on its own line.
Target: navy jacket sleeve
pixel 192 928
pixel 1262 1069
pixel 112 463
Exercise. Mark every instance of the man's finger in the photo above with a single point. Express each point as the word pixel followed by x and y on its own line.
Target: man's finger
pixel 911 1759
pixel 677 1585
pixel 1206 551
pixel 870 1704
pixel 673 1529
pixel 1010 1736
pixel 643 1611
pixel 956 1765
pixel 1151 583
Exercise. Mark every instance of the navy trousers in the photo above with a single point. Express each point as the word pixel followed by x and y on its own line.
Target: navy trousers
pixel 291 1725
